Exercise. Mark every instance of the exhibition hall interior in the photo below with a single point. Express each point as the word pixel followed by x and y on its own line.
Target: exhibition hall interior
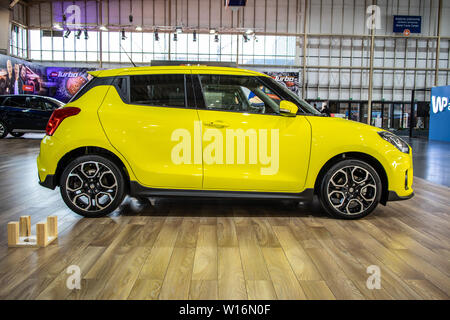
pixel 225 150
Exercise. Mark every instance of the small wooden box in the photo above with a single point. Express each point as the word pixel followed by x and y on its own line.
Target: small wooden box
pixel 19 233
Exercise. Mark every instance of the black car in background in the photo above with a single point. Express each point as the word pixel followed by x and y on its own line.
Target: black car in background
pixel 25 113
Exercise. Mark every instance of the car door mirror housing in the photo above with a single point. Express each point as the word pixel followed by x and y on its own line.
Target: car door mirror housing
pixel 288 108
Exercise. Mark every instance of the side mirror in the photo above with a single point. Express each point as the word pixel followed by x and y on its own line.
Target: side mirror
pixel 288 108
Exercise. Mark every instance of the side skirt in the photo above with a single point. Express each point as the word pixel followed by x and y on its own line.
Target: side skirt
pixel 137 189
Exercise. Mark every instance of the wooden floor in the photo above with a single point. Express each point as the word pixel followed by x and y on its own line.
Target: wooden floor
pixel 195 249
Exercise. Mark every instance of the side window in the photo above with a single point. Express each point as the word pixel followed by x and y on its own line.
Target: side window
pixel 120 83
pixel 16 102
pixel 166 90
pixel 36 103
pixel 48 106
pixel 239 94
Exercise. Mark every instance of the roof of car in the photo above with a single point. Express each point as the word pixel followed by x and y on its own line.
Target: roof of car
pixel 175 69
pixel 30 95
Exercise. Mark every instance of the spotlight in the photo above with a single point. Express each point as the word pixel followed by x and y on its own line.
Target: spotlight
pixel 123 34
pixel 212 31
pixel 57 26
pixel 66 35
pixel 138 28
pixel 249 31
pixel 103 28
pixel 156 35
pixel 86 36
pixel 255 38
pixel 178 29
pixel 194 36
pixel 175 37
pixel 130 18
pixel 78 34
pixel 216 37
pixel 246 38
pixel 64 18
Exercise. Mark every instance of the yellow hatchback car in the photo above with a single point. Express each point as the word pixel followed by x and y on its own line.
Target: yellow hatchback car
pixel 214 132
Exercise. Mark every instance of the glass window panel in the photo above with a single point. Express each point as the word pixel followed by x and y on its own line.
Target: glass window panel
pixel 203 43
pixel 69 55
pixel 35 40
pixel 57 43
pixel 147 45
pixel 58 55
pixel 69 42
pixel 80 56
pixel 114 41
pixel 92 41
pixel 46 55
pixel 92 56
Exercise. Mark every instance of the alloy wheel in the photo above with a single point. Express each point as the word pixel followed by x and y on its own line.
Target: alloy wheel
pixel 352 190
pixel 2 129
pixel 91 186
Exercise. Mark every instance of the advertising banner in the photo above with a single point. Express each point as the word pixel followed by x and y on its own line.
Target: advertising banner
pixel 440 114
pixel 289 79
pixel 22 77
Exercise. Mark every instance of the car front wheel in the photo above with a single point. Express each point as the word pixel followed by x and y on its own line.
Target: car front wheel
pixel 350 189
pixel 3 130
pixel 92 186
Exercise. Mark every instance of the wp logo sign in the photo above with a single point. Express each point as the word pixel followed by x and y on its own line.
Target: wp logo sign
pixel 439 104
pixel 440 114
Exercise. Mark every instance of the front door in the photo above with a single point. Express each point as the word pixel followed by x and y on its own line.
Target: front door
pixel 147 126
pixel 247 145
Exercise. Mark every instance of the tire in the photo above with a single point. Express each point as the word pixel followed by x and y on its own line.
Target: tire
pixel 92 193
pixel 17 134
pixel 3 130
pixel 350 189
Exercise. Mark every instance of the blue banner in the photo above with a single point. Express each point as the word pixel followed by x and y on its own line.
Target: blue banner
pixel 440 114
pixel 411 23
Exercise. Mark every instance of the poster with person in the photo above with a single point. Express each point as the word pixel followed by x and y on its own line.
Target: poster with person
pixel 18 76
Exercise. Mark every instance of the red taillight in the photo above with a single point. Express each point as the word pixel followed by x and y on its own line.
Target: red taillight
pixel 58 116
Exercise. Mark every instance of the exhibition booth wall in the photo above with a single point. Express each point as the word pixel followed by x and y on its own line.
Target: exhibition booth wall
pixel 440 114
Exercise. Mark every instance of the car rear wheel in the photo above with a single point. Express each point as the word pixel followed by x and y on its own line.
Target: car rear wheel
pixel 3 130
pixel 350 189
pixel 17 134
pixel 92 186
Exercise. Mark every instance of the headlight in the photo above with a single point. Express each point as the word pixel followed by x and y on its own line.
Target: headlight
pixel 396 141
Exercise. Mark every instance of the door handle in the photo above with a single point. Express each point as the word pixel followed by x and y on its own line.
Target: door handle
pixel 216 124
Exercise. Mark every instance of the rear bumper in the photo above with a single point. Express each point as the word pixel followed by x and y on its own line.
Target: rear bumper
pixel 393 196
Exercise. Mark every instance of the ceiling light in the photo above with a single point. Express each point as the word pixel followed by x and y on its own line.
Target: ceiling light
pixel 175 37
pixel 194 36
pixel 66 35
pixel 216 37
pixel 123 34
pixel 156 35
pixel 86 36
pixel 103 28
pixel 78 34
pixel 138 28
pixel 57 26
pixel 179 29
pixel 249 31
pixel 212 31
pixel 245 37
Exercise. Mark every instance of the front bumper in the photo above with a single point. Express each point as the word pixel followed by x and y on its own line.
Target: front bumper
pixel 49 182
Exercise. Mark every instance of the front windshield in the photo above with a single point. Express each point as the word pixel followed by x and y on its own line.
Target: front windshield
pixel 287 94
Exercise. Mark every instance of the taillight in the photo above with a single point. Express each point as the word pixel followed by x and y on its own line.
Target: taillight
pixel 58 116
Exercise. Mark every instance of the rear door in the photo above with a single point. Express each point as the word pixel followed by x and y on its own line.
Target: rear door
pixel 16 112
pixel 39 114
pixel 150 118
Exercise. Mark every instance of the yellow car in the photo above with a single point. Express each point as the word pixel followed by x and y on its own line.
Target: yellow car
pixel 214 132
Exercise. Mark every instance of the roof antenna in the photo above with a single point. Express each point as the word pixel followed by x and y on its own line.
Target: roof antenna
pixel 134 65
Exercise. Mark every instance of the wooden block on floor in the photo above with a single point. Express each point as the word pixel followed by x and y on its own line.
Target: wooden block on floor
pixel 13 233
pixel 52 225
pixel 25 226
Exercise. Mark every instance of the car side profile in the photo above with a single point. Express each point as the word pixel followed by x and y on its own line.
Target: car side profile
pixel 24 113
pixel 214 132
